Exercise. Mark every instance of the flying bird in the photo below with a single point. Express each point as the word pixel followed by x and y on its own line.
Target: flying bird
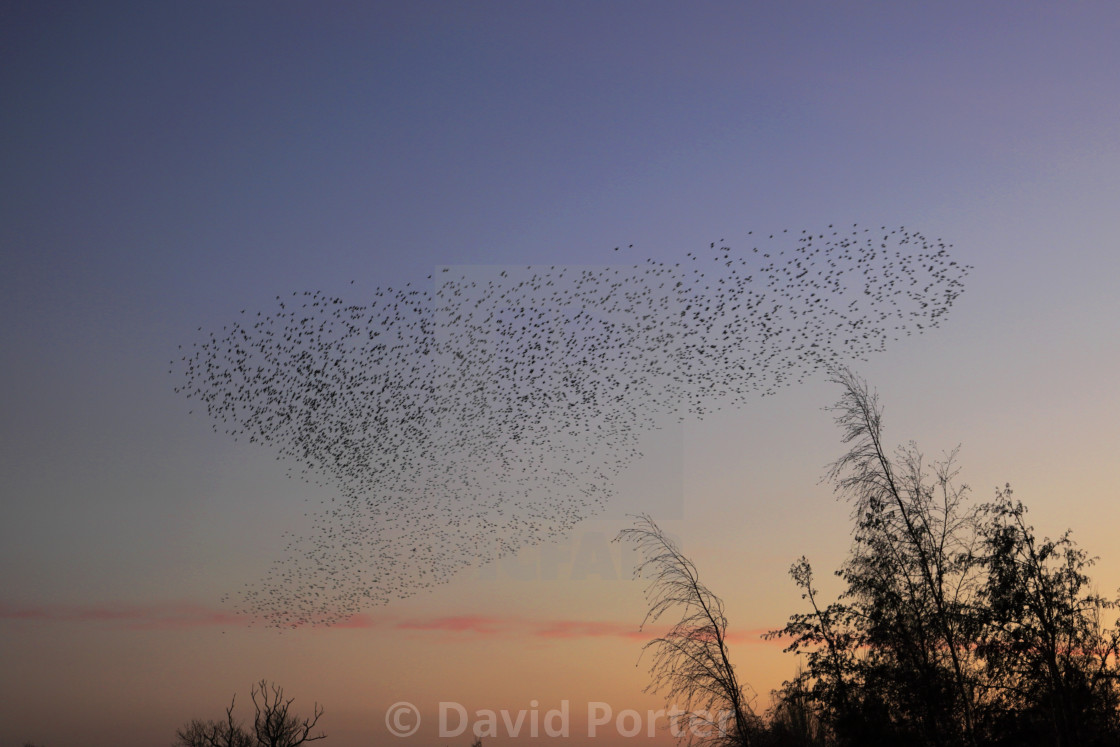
pixel 493 411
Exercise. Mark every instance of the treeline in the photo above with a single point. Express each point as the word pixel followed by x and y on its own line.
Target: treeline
pixel 957 624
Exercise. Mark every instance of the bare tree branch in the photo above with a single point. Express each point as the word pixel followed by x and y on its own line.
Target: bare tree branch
pixel 690 662
pixel 273 725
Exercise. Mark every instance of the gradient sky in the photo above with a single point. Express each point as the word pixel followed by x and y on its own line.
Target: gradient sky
pixel 163 166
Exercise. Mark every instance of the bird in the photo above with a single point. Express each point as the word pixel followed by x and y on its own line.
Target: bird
pixel 494 411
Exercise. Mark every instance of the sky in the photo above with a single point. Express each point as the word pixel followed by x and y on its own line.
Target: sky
pixel 164 166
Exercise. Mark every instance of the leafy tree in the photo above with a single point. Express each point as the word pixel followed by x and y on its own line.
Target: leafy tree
pixel 956 625
pixel 1053 664
pixel 910 575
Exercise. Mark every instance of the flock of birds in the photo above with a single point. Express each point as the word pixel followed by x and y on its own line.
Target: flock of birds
pixel 493 412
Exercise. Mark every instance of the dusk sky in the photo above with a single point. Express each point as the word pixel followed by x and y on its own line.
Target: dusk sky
pixel 164 166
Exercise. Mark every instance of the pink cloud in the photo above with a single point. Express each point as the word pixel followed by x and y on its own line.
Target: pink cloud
pixel 754 635
pixel 588 629
pixel 358 621
pixel 171 616
pixel 458 624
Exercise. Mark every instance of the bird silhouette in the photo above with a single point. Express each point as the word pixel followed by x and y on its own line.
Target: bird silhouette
pixel 493 412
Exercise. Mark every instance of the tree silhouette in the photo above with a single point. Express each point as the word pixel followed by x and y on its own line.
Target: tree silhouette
pixel 957 626
pixel 1054 664
pixel 226 733
pixel 274 725
pixel 911 572
pixel 690 662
